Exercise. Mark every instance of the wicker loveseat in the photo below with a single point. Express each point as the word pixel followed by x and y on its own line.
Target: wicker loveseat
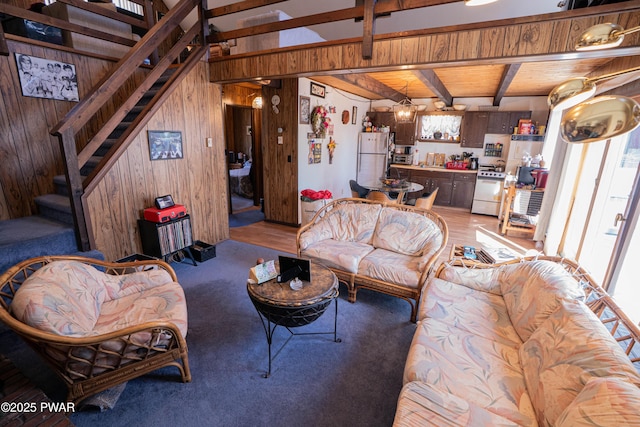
pixel 526 343
pixel 388 248
pixel 96 323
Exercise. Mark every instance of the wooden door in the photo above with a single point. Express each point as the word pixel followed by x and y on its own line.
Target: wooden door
pixel 280 153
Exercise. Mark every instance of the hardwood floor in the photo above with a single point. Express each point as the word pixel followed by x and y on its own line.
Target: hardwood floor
pixel 464 229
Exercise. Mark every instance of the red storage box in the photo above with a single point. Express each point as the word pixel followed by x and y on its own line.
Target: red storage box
pixel 457 165
pixel 164 215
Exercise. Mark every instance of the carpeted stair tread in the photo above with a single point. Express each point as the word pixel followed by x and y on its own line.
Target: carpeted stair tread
pixel 33 236
pixel 56 207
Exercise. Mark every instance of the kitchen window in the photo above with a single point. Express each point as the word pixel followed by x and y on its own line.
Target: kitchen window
pixel 440 126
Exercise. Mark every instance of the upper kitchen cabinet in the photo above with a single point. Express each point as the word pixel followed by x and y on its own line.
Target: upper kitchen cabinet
pixel 439 126
pixel 474 128
pixel 503 122
pixel 405 132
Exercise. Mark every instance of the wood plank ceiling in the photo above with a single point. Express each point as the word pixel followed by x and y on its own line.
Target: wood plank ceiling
pixel 533 74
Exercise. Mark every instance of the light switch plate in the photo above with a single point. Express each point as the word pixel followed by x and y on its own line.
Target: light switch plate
pixel 209 142
pixel 280 140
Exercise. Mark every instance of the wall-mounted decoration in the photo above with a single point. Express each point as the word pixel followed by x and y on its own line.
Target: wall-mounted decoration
pixel 315 152
pixel 165 145
pixel 305 110
pixel 345 117
pixel 331 146
pixel 354 113
pixel 317 90
pixel 332 109
pixel 319 121
pixel 43 78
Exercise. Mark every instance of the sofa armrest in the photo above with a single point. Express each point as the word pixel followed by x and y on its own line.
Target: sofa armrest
pixel 422 404
pixel 481 279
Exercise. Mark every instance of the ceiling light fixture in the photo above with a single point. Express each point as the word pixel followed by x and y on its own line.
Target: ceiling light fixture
pixel 603 36
pixel 405 111
pixel 600 118
pixel 578 89
pixel 477 2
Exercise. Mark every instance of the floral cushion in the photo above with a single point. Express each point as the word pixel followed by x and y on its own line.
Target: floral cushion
pixel 480 313
pixel 393 267
pixel 421 404
pixel 482 371
pixel 407 233
pixel 533 290
pixel 62 297
pixel 482 279
pixel 603 402
pixel 352 222
pixel 564 353
pixel 340 254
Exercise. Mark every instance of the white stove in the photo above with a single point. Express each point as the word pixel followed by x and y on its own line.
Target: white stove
pixel 491 174
pixel 488 192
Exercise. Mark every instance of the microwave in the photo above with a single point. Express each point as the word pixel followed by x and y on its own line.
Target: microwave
pixel 403 159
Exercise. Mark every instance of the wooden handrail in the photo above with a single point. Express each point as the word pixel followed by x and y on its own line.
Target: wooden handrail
pixel 82 112
pixel 93 8
pixel 62 24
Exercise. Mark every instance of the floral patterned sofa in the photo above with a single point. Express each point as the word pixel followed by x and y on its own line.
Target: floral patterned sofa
pixel 97 323
pixel 389 248
pixel 524 343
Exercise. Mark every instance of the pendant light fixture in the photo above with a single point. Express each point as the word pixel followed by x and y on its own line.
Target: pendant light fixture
pixel 405 111
pixel 603 36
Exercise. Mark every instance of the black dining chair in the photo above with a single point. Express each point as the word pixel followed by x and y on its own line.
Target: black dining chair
pixel 357 190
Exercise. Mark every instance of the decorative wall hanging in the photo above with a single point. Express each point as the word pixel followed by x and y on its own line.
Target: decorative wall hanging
pixel 315 152
pixel 345 117
pixel 305 110
pixel 165 145
pixel 42 78
pixel 354 113
pixel 331 146
pixel 319 121
pixel 317 90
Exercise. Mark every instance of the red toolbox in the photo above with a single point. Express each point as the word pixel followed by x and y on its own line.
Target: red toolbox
pixel 164 215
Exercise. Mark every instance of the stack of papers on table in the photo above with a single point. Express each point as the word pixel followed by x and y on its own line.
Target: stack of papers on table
pixel 500 254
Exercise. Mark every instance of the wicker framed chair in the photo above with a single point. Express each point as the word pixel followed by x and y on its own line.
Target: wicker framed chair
pixel 427 202
pixel 379 196
pixel 89 364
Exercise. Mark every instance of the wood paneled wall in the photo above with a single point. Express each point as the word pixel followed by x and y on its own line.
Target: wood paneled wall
pixel 30 156
pixel 198 181
pixel 281 160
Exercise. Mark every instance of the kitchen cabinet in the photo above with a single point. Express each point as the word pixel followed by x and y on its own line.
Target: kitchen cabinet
pixel 474 127
pixel 503 122
pixel 464 184
pixel 405 132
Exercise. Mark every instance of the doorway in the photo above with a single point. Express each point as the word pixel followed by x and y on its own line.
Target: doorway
pixel 243 158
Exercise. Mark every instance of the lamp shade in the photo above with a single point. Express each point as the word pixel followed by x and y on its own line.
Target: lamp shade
pixel 601 36
pixel 570 93
pixel 600 118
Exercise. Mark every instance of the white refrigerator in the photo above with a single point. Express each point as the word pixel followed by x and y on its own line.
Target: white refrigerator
pixel 517 149
pixel 373 156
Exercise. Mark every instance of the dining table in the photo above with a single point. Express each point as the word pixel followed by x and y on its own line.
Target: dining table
pixel 401 189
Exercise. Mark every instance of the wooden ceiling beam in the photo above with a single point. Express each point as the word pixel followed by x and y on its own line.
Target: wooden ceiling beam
pixel 368 29
pixel 433 82
pixel 372 85
pixel 508 75
pixel 238 7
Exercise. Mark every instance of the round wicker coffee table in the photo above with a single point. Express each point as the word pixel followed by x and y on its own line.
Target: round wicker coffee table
pixel 279 305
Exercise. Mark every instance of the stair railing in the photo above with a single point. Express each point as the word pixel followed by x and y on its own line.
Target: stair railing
pixel 105 90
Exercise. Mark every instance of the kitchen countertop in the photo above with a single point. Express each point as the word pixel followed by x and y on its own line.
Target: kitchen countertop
pixel 433 168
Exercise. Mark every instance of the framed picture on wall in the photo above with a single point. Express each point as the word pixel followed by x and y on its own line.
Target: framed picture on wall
pixel 305 109
pixel 165 145
pixel 354 113
pixel 318 90
pixel 43 78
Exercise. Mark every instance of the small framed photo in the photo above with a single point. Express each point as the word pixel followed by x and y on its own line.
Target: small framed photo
pixel 165 145
pixel 354 114
pixel 305 110
pixel 317 90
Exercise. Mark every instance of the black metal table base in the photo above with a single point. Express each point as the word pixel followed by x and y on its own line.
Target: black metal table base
pixel 281 316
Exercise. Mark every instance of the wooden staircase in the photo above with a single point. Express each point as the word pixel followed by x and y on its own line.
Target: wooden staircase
pixel 88 159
